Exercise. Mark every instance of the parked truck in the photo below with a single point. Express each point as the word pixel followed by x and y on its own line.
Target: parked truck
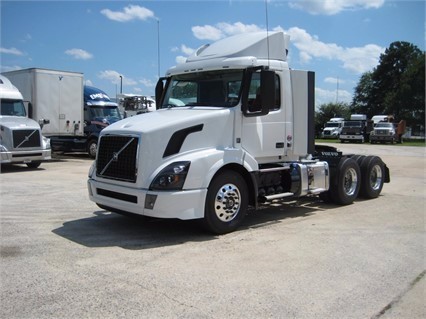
pixel 386 130
pixel 234 128
pixel 77 113
pixel 333 128
pixel 21 140
pixel 357 129
pixel 134 104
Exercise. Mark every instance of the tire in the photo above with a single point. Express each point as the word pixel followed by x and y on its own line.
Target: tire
pixel 358 159
pixel 372 177
pixel 346 182
pixel 92 147
pixel 33 164
pixel 226 203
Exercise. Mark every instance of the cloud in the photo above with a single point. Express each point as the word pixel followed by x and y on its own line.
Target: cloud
pixel 129 13
pixel 79 54
pixel 5 68
pixel 332 7
pixel 222 30
pixel 147 82
pixel 13 51
pixel 326 96
pixel 180 59
pixel 334 80
pixel 114 77
pixel 187 50
pixel 357 59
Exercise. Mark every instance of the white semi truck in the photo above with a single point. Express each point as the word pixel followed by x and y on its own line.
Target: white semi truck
pixel 76 112
pixel 332 128
pixel 234 128
pixel 21 140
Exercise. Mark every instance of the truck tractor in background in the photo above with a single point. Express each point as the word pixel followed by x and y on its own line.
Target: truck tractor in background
pixel 357 129
pixel 77 113
pixel 234 128
pixel 332 128
pixel 21 140
pixel 134 104
pixel 386 130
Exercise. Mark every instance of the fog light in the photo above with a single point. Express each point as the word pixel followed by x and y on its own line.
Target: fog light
pixel 150 201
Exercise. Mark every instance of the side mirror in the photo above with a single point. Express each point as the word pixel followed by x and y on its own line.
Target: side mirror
pixel 159 90
pixel 42 122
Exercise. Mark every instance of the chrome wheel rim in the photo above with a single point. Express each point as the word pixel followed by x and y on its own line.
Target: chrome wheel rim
pixel 350 182
pixel 376 176
pixel 227 203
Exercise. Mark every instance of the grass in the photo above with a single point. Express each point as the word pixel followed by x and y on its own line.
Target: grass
pixel 407 142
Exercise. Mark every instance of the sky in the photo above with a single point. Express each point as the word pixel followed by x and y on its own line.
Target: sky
pixel 140 40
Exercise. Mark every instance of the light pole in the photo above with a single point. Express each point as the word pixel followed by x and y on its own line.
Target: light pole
pixel 121 84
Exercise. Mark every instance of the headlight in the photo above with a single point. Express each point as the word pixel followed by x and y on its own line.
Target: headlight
pixel 46 142
pixel 92 169
pixel 172 177
pixel 3 148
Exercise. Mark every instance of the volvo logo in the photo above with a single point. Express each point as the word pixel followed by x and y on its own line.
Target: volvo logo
pixel 115 156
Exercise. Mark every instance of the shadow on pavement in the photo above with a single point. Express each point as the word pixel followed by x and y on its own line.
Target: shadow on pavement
pixel 105 229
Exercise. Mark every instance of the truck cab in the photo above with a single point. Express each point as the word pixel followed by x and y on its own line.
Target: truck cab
pixel 21 140
pixel 234 128
pixel 357 129
pixel 99 112
pixel 332 128
pixel 384 132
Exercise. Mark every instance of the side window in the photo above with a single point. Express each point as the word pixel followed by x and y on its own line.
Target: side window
pixel 255 98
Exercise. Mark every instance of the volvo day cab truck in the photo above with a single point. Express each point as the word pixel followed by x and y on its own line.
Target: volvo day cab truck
pixel 76 113
pixel 21 140
pixel 332 128
pixel 234 128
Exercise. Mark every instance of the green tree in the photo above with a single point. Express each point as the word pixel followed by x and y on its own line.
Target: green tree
pixel 327 111
pixel 396 86
pixel 363 91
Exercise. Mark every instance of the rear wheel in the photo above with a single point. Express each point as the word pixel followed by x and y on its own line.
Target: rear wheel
pixel 372 177
pixel 226 203
pixel 346 184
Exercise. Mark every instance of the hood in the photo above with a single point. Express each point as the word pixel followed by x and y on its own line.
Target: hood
pixel 173 132
pixel 18 122
pixel 166 119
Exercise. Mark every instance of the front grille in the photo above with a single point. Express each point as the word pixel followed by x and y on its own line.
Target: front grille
pixel 382 132
pixel 26 138
pixel 117 157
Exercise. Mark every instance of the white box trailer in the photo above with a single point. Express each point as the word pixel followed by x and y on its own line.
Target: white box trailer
pixel 53 95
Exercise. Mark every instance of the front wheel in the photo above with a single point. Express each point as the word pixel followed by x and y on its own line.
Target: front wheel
pixel 92 147
pixel 226 203
pixel 34 164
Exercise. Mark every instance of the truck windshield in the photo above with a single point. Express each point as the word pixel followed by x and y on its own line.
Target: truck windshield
pixel 12 107
pixel 108 112
pixel 213 88
pixel 353 124
pixel 384 125
pixel 332 124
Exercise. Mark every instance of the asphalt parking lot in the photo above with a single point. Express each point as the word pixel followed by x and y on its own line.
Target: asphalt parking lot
pixel 63 257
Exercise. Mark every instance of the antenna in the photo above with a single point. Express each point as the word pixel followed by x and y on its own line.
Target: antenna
pixel 158 46
pixel 267 28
